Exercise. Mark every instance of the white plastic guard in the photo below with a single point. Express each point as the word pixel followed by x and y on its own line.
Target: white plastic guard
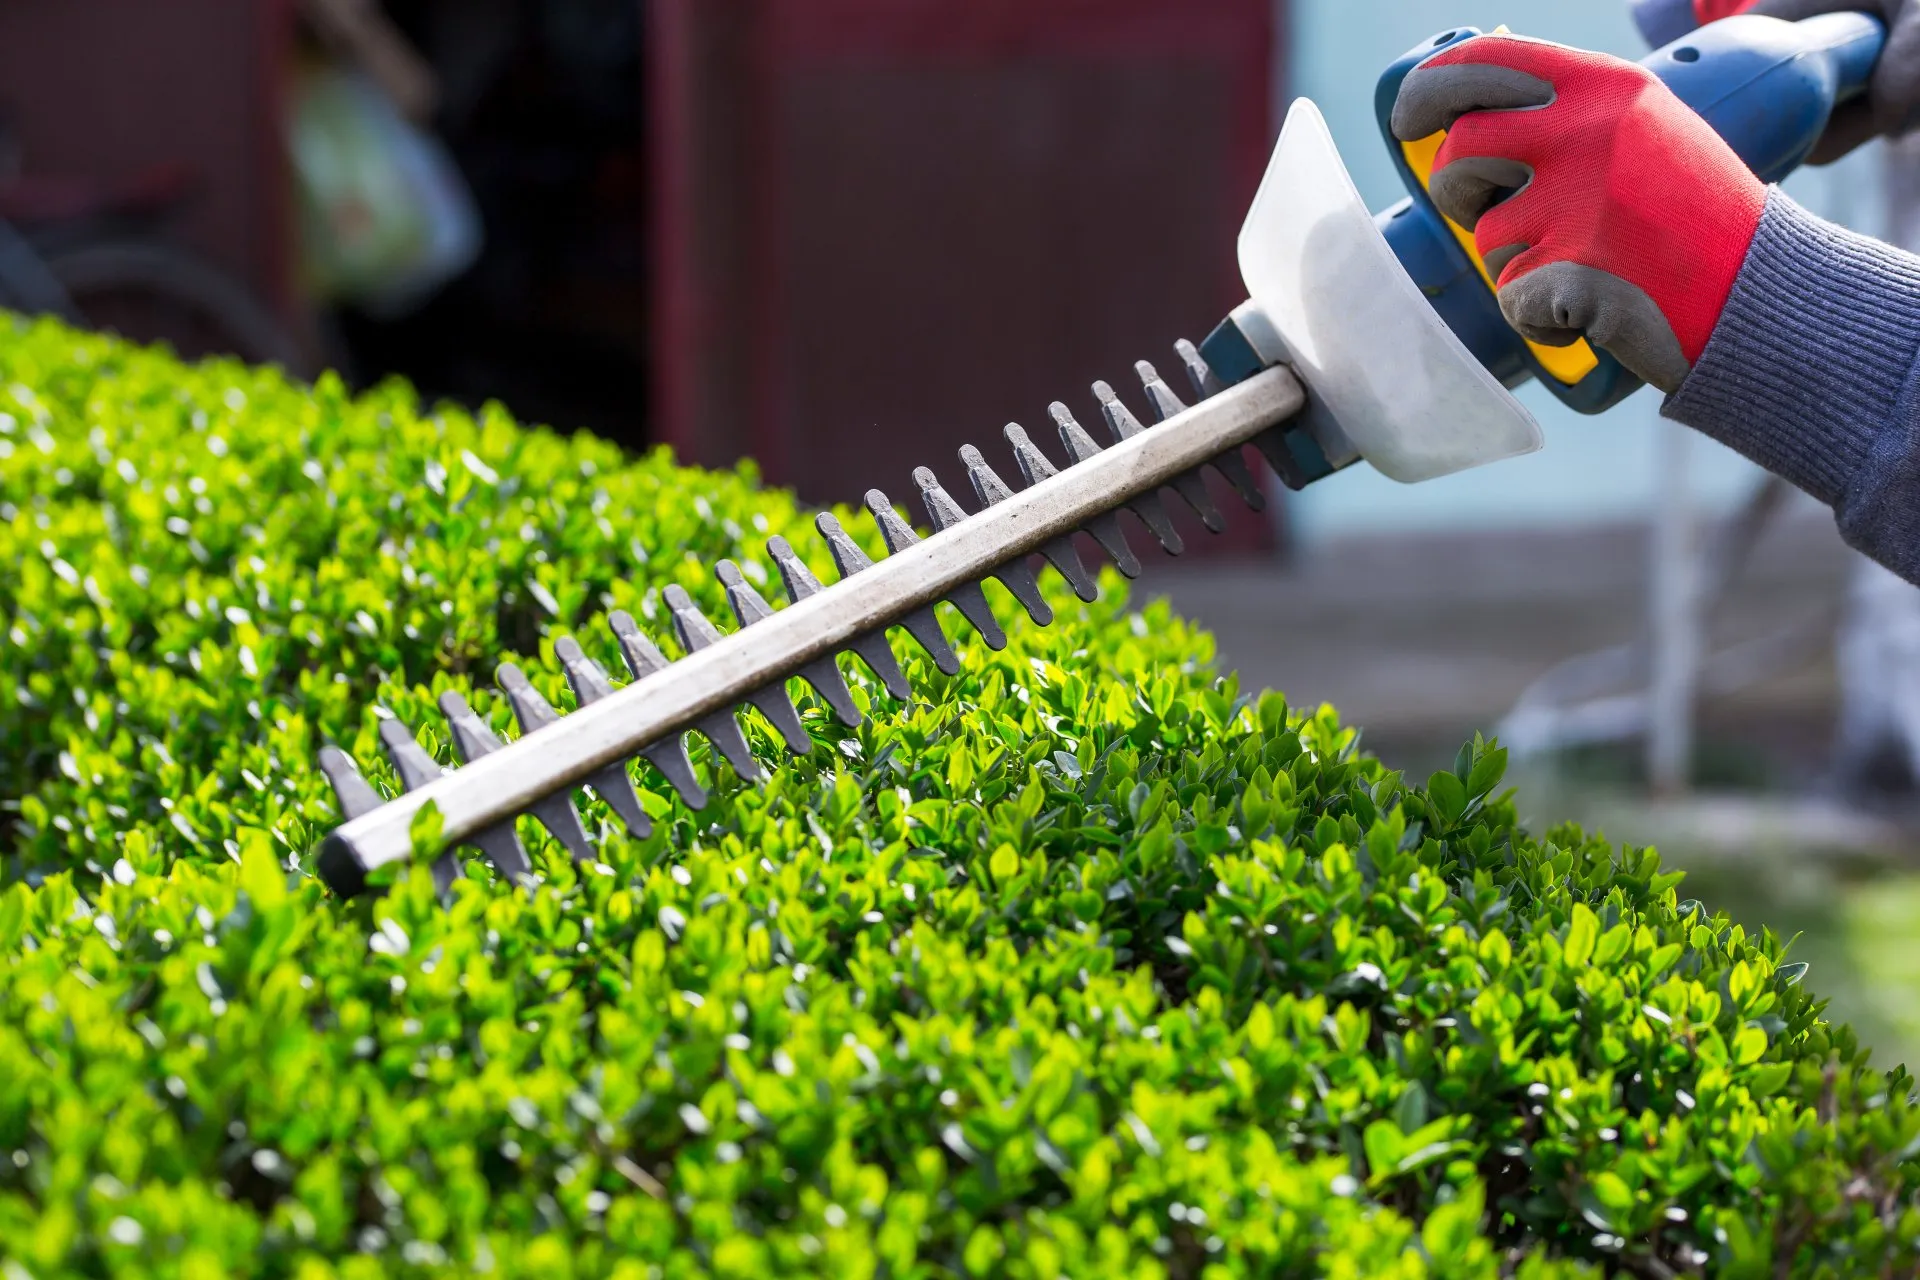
pixel 1359 332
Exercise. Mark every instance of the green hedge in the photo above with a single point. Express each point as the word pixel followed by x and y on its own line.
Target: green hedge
pixel 1088 964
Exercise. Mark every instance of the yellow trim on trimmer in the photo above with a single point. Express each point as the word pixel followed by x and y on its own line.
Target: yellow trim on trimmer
pixel 1566 364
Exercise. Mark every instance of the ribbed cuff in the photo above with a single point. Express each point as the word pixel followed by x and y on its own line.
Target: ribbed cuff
pixel 1811 359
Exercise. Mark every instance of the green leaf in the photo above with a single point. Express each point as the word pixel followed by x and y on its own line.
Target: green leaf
pixel 1449 797
pixel 13 916
pixel 424 832
pixel 1005 864
pixel 1487 772
pixel 1384 1146
pixel 1410 1113
pixel 261 874
pixel 1582 931
pixel 1613 1194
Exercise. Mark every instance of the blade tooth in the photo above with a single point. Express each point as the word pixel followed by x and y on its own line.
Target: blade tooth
pixel 1190 485
pixel 774 704
pixel 1147 506
pixel 611 784
pixel 722 729
pixel 1272 444
pixel 530 709
pixel 676 766
pixel 585 676
pixel 897 533
pixel 1233 466
pixel 986 482
pixel 410 760
pixel 473 739
pixel 1034 468
pixel 827 681
pixel 669 755
pixel 748 605
pixel 1152 514
pixel 1165 403
pixel 1015 575
pixel 1205 382
pixel 874 648
pixel 642 654
pixel 1034 465
pixel 967 597
pixel 921 624
pixel 926 630
pixel 501 844
pixel 690 626
pixel 942 510
pixel 1112 538
pixel 795 577
pixel 801 584
pixel 351 789
pixel 1105 529
pixel 1120 420
pixel 848 557
pixel 1072 434
pixel 416 769
pixel 471 736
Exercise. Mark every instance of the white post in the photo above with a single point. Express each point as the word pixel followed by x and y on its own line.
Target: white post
pixel 1673 576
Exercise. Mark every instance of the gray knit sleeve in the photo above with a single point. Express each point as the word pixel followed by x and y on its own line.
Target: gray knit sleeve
pixel 1811 373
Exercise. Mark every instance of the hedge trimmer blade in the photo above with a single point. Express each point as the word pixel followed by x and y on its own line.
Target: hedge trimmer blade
pixel 720 673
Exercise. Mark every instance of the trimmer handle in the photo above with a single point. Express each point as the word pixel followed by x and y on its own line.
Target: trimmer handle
pixel 1766 86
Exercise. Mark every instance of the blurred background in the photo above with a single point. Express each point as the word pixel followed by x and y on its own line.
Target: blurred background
pixel 841 237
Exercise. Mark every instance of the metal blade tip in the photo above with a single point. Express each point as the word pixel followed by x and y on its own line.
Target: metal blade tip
pixel 676 597
pixel 453 706
pixel 972 456
pixel 828 523
pixel 779 548
pixel 1104 393
pixel 925 478
pixel 510 677
pixel 729 574
pixel 622 623
pixel 568 648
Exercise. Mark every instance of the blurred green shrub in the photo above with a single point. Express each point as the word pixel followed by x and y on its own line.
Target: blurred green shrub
pixel 1086 965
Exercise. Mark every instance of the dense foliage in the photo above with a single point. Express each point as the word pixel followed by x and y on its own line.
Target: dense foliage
pixel 1087 964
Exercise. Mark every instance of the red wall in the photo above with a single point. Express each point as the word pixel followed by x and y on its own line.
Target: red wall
pixel 104 88
pixel 887 227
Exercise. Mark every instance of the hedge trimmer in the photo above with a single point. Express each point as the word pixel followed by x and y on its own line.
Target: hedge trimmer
pixel 1364 338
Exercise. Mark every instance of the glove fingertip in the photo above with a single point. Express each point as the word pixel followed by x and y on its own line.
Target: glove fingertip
pixel 1433 98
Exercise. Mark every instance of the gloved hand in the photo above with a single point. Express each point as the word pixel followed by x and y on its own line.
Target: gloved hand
pixel 1599 201
pixel 1892 102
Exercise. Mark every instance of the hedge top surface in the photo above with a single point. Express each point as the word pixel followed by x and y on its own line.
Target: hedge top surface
pixel 1086 964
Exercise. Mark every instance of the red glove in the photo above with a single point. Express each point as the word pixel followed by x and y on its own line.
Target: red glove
pixel 1599 201
pixel 1892 102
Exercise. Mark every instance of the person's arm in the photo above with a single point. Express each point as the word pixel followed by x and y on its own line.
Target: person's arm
pixel 1812 373
pixel 1609 210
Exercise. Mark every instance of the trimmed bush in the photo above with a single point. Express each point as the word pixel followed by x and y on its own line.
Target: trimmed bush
pixel 1086 964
